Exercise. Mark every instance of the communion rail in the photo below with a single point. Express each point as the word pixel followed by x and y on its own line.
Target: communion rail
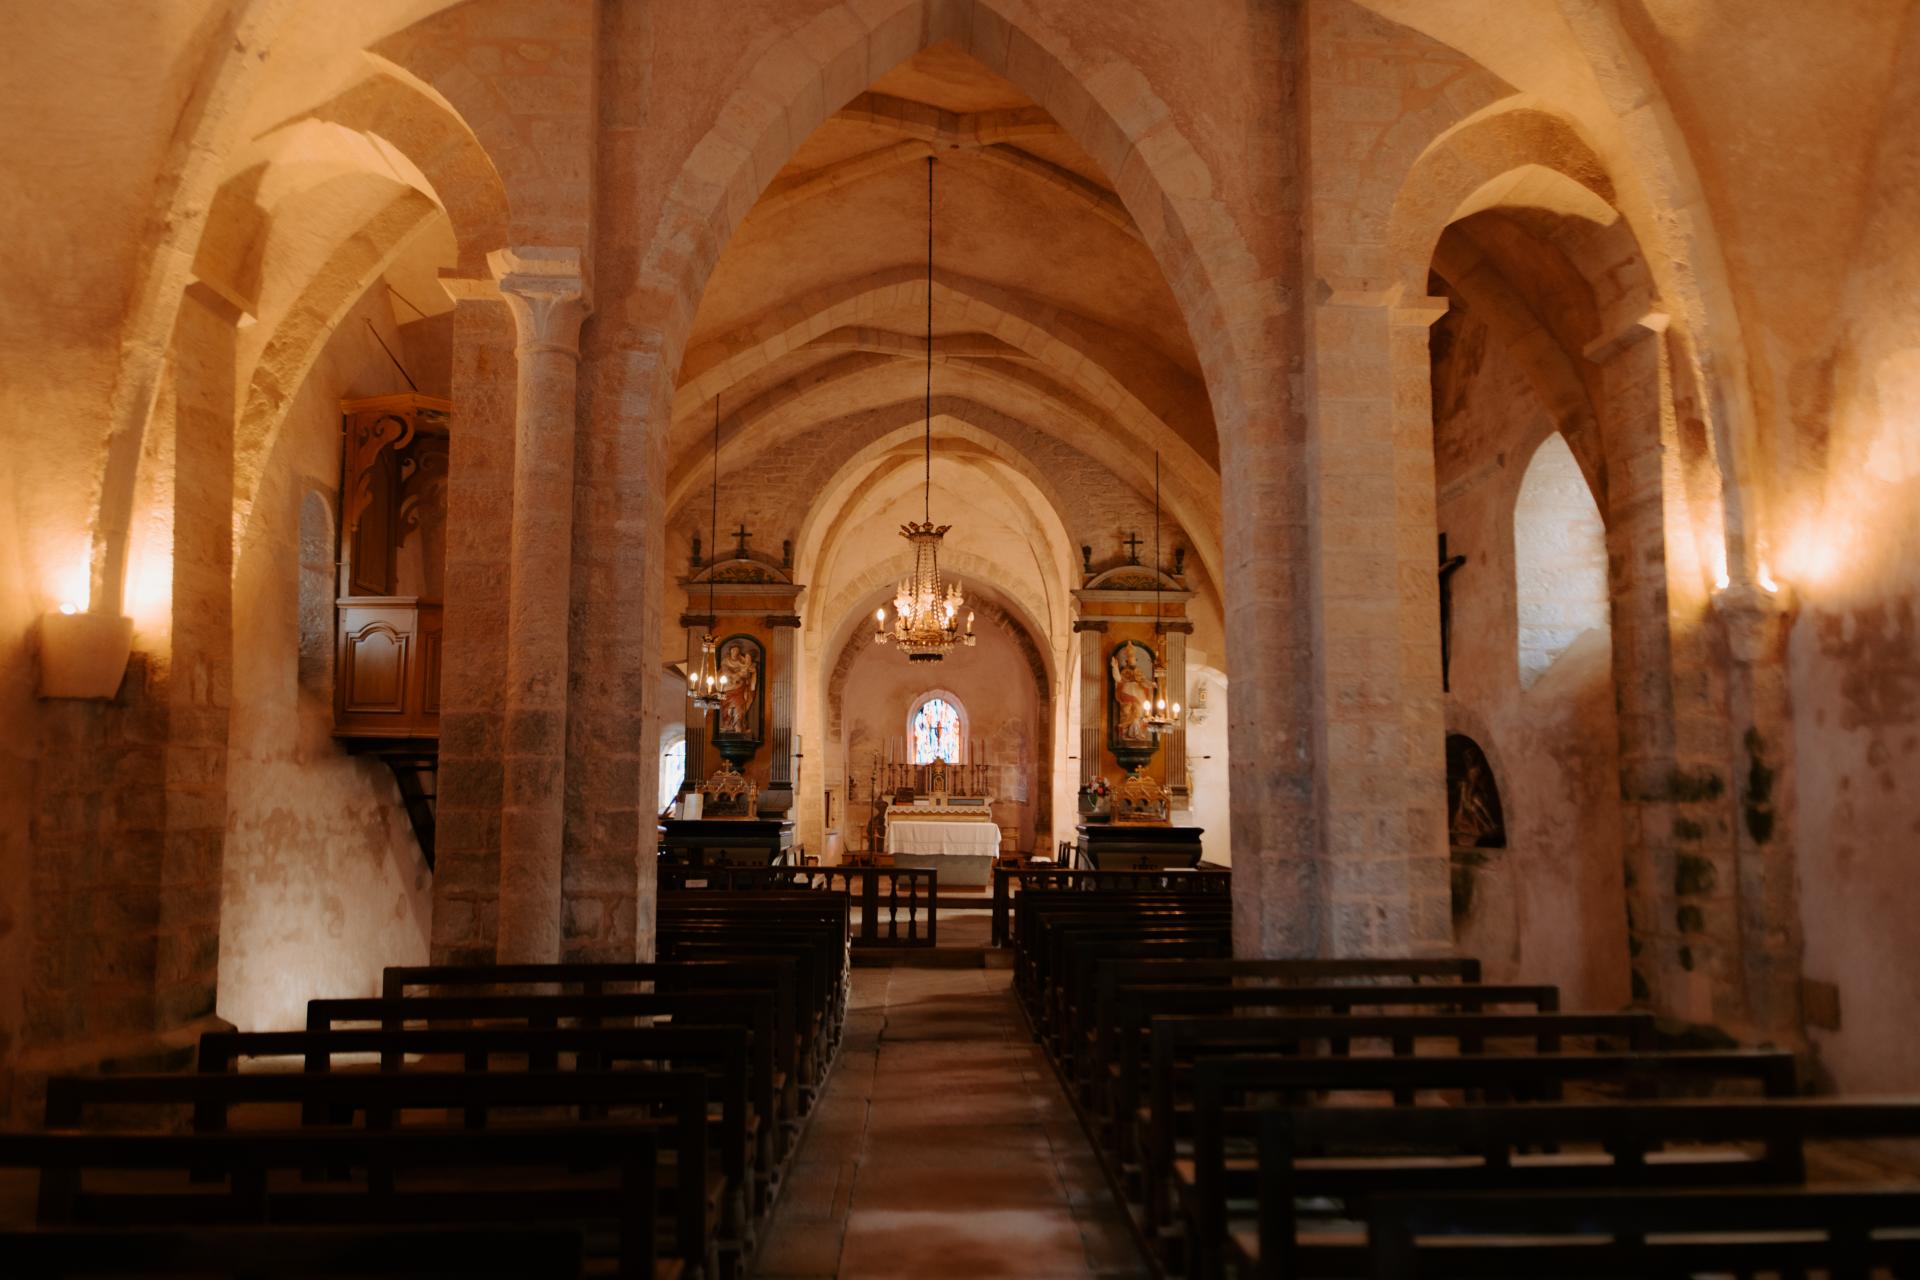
pixel 890 913
pixel 1201 880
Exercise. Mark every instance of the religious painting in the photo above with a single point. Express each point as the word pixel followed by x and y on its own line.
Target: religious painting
pixel 1130 702
pixel 1474 816
pixel 740 719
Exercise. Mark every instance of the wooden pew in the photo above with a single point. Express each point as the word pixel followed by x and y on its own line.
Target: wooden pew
pixel 210 1100
pixel 1045 920
pixel 310 1253
pixel 1604 1232
pixel 1205 881
pixel 743 1143
pixel 1207 1180
pixel 1695 1143
pixel 792 1026
pixel 1111 974
pixel 1136 1006
pixel 520 1176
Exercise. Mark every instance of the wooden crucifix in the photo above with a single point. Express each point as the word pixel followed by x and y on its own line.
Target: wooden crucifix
pixel 1449 565
pixel 1132 542
pixel 740 539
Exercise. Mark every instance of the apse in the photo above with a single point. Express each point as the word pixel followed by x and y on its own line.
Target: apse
pixel 883 342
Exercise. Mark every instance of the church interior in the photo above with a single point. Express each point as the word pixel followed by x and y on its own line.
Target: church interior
pixel 806 638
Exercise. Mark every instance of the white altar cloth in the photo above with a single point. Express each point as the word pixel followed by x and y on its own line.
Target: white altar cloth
pixel 943 836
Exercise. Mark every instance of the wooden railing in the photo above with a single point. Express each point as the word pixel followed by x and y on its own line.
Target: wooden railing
pixel 890 913
pixel 1203 879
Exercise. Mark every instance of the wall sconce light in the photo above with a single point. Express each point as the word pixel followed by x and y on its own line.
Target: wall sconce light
pixel 83 654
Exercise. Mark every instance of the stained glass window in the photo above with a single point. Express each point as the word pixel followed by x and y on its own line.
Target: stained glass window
pixel 936 732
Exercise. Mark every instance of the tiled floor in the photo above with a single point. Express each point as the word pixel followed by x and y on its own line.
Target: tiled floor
pixel 943 1147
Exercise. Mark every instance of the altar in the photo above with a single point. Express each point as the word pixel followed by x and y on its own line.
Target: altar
pixel 960 841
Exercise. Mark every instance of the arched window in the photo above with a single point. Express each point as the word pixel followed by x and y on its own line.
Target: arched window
pixel 673 767
pixel 935 730
pixel 1559 559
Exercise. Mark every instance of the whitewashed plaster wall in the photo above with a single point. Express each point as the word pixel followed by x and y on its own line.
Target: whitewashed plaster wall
pixel 324 882
pixel 1551 906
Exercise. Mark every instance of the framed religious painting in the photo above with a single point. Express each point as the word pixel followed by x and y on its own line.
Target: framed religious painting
pixel 739 722
pixel 1130 702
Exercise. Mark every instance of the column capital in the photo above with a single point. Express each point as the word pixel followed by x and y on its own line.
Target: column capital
pixel 1637 330
pixel 548 292
pixel 1400 308
pixel 1756 620
pixel 1088 624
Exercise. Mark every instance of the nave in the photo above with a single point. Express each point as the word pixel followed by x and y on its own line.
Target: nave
pixel 755 1103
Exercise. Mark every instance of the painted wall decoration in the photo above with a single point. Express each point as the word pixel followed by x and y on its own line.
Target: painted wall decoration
pixel 1474 816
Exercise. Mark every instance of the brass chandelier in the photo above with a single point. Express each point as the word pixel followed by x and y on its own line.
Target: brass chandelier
pixel 926 610
pixel 706 683
pixel 1164 715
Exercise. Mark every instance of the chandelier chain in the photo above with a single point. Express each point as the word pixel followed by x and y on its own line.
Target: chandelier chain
pixel 926 491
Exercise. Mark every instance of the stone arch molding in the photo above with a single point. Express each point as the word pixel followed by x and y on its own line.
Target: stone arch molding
pixel 404 114
pixel 1514 153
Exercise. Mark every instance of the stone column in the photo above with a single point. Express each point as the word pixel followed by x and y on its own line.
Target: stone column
pixel 473 673
pixel 778 798
pixel 1093 696
pixel 547 294
pixel 1757 620
pixel 1380 771
pixel 1174 742
pixel 1682 912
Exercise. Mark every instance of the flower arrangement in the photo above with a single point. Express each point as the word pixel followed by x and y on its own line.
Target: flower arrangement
pixel 1099 789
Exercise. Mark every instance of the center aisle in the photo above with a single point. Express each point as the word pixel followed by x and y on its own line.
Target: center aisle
pixel 943 1147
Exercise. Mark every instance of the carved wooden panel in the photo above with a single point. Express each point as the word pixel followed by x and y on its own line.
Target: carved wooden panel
pixel 374 674
pixel 387 658
pixel 428 699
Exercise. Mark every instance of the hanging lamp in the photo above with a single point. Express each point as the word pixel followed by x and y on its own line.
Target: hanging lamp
pixel 926 610
pixel 706 683
pixel 1164 715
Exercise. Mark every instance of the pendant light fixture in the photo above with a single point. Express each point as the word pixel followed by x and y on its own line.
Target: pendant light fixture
pixel 926 610
pixel 1164 715
pixel 706 683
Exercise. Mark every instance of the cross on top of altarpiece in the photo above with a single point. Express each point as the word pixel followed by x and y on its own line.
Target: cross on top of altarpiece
pixel 740 537
pixel 1133 542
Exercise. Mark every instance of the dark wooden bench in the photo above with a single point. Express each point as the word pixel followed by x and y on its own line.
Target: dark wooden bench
pixel 1048 925
pixel 1135 1007
pixel 1185 883
pixel 792 1024
pixel 234 1252
pixel 1224 1089
pixel 210 1100
pixel 1605 1232
pixel 533 1175
pixel 743 1144
pixel 1109 975
pixel 1349 1155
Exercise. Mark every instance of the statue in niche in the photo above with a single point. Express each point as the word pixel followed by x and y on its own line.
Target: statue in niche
pixel 1474 816
pixel 743 681
pixel 1132 693
pixel 739 725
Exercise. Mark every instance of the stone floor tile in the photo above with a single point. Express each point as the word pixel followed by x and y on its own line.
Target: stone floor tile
pixel 969 1243
pixel 943 1147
